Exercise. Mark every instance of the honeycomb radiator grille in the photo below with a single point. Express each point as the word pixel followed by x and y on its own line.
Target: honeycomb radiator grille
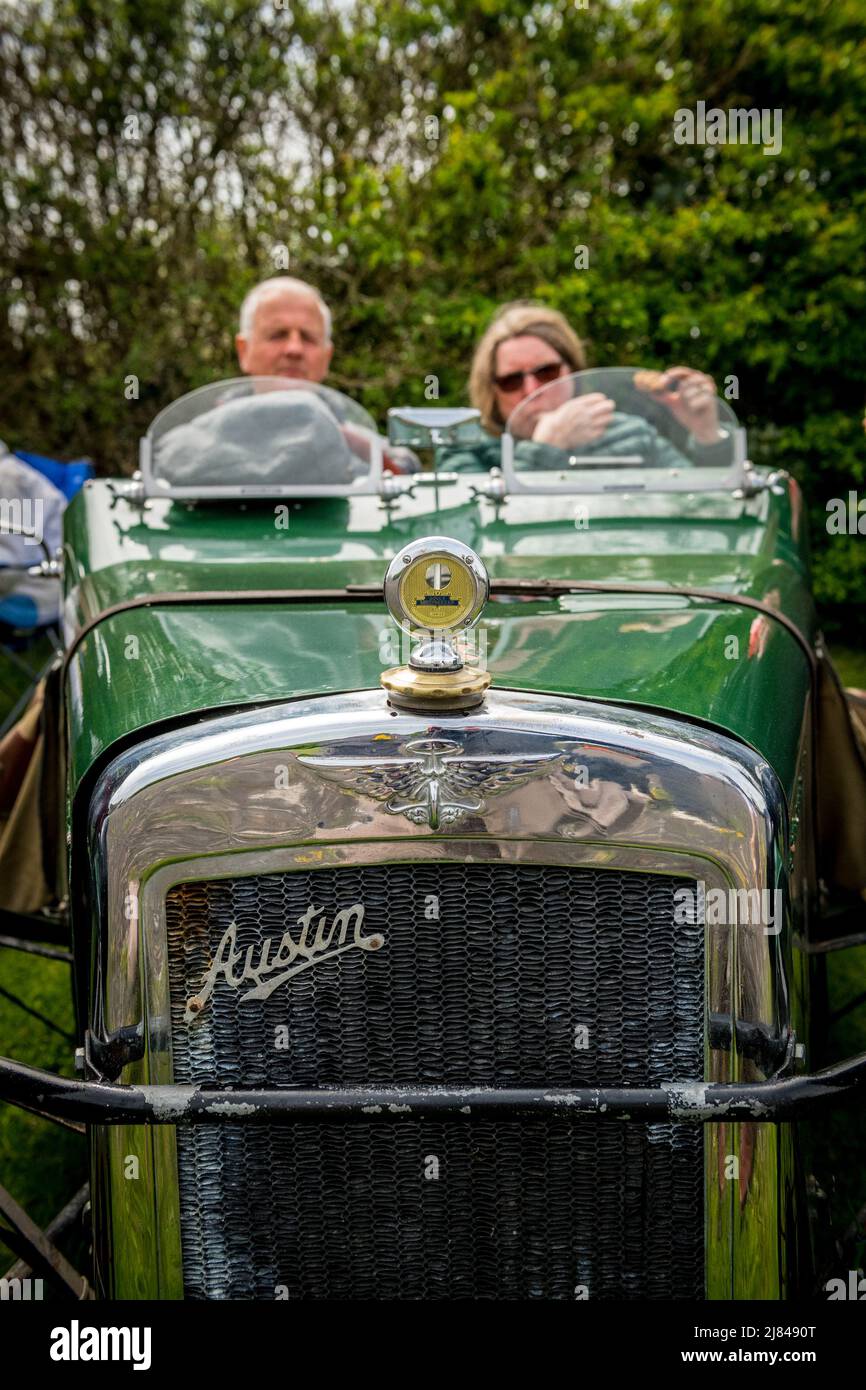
pixel 487 975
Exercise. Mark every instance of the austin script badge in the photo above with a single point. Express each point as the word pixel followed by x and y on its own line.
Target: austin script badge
pixel 265 972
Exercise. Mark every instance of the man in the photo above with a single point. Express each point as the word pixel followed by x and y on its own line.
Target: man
pixel 285 330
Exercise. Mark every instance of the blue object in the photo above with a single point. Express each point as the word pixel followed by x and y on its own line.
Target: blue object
pixel 66 477
pixel 19 610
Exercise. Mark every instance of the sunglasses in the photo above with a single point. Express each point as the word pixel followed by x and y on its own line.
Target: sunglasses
pixel 512 381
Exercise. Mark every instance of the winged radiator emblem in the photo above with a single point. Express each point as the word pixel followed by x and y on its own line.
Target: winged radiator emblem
pixel 431 781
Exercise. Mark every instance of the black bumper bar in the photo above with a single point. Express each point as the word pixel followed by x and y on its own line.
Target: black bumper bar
pixel 96 1102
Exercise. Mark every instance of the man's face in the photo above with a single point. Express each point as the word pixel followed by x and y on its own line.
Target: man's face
pixel 287 339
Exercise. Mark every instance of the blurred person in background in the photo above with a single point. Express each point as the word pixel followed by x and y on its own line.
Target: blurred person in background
pixel 27 498
pixel 528 346
pixel 285 330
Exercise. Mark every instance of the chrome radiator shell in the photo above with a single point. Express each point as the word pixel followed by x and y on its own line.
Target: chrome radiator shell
pixel 344 780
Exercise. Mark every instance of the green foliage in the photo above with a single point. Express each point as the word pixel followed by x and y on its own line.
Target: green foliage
pixel 422 161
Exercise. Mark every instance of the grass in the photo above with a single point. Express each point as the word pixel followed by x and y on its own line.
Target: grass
pixel 837 1143
pixel 20 665
pixel 41 1164
pixel 851 665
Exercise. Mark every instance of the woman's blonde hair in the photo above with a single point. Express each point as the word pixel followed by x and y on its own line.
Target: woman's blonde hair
pixel 515 320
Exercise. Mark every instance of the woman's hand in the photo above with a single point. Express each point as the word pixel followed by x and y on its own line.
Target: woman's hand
pixel 579 421
pixel 693 402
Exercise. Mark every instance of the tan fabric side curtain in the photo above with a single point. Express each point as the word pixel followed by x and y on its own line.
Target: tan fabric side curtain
pixel 841 765
pixel 29 801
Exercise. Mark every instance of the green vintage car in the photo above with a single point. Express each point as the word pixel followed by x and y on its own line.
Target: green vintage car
pixel 457 939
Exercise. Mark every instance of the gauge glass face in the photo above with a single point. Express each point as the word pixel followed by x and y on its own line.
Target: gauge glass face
pixel 437 591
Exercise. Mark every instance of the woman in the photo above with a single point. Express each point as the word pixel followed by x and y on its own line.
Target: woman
pixel 528 346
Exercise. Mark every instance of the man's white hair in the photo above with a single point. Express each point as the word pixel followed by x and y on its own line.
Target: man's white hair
pixel 279 284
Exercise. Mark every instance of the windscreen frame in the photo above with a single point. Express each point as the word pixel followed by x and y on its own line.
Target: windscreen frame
pixel 154 486
pixel 598 480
